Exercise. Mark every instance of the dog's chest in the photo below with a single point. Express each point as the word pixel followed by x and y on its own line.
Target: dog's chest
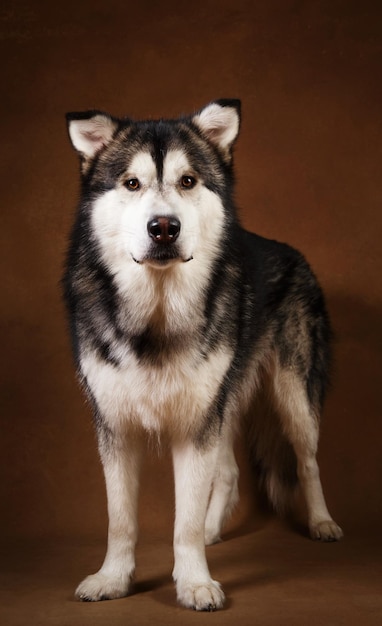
pixel 173 395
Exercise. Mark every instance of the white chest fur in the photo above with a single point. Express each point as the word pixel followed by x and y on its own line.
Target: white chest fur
pixel 174 396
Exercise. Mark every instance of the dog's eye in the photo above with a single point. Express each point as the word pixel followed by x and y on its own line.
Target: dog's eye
pixel 187 182
pixel 132 184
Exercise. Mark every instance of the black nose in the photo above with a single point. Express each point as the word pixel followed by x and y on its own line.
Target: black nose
pixel 164 229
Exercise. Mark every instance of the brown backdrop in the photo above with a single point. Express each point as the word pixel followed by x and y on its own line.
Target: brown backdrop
pixel 309 172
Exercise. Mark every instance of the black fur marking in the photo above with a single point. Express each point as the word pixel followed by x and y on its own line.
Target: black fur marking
pixel 106 352
pixel 161 140
pixel 148 345
pixel 154 348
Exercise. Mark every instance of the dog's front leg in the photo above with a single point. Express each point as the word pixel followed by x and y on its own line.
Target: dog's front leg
pixel 194 471
pixel 121 457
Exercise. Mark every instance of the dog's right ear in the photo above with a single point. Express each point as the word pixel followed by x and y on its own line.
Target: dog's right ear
pixel 90 132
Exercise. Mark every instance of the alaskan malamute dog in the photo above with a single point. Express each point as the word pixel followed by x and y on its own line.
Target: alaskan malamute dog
pixel 178 317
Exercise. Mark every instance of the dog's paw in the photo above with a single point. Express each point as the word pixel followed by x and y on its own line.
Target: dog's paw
pixel 201 597
pixel 99 586
pixel 326 530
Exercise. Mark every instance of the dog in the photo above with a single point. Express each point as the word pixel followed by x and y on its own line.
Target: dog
pixel 179 317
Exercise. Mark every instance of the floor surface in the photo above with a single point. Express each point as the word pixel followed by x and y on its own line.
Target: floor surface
pixel 272 576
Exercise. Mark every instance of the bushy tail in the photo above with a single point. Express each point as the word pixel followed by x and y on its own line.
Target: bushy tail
pixel 272 457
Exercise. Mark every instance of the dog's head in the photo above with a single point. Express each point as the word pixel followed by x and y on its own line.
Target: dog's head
pixel 157 192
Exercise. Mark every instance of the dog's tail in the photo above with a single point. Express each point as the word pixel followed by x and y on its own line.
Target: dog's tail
pixel 272 458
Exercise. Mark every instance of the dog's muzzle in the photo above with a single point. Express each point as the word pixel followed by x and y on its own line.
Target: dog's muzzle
pixel 164 232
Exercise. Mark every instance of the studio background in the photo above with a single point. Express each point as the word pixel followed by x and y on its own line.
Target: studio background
pixel 308 168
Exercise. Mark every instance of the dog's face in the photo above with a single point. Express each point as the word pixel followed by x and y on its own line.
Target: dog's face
pixel 157 191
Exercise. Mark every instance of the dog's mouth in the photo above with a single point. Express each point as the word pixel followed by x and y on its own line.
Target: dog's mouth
pixel 162 256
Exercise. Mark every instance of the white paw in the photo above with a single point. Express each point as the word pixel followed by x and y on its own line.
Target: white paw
pixel 201 597
pixel 102 587
pixel 326 530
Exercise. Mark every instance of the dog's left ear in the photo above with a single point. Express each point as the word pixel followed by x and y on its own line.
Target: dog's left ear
pixel 220 123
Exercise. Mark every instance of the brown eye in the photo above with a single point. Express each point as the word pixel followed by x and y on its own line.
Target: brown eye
pixel 132 184
pixel 188 182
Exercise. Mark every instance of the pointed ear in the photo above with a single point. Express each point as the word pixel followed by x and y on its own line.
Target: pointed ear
pixel 90 131
pixel 220 123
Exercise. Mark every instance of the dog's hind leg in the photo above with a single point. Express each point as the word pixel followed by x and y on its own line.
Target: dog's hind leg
pixel 300 426
pixel 194 470
pixel 225 494
pixel 121 463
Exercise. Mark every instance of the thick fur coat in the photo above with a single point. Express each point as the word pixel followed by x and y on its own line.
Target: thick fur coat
pixel 178 317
